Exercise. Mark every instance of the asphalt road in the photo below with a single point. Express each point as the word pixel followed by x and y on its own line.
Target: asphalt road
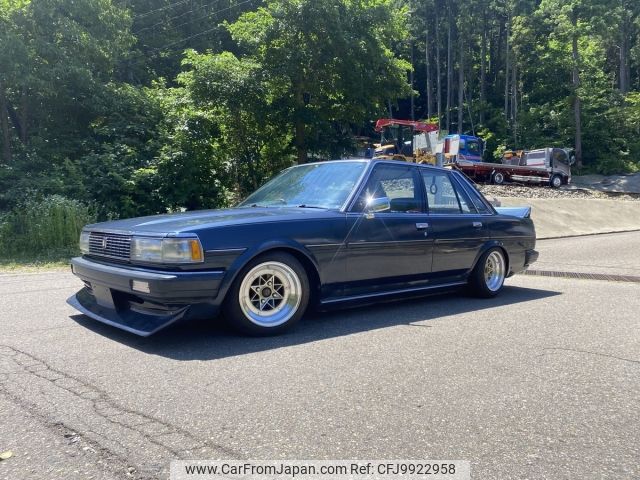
pixel 542 382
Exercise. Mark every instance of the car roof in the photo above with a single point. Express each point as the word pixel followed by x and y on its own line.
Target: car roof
pixel 376 161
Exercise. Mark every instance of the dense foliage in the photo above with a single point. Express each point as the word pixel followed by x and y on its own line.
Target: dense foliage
pixel 37 225
pixel 146 106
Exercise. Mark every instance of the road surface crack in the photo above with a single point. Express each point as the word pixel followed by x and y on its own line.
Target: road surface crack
pixel 113 430
pixel 575 350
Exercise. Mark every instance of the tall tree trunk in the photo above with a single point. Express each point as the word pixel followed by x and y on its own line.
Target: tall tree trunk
pixel 514 100
pixel 300 142
pixel 624 72
pixel 413 103
pixel 427 60
pixel 506 72
pixel 4 127
pixel 438 72
pixel 496 56
pixel 449 67
pixel 576 95
pixel 460 81
pixel 24 115
pixel 483 63
pixel 300 147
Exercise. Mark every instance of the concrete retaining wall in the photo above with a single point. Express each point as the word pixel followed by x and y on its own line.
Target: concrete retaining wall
pixel 561 217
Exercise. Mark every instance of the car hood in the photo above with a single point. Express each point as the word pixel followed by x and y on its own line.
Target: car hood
pixel 192 222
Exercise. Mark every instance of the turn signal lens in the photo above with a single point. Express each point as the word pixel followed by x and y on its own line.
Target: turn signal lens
pixel 196 251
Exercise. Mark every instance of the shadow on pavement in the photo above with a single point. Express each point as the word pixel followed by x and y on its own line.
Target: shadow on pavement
pixel 211 339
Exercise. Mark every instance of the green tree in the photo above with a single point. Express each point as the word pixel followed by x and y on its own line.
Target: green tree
pixel 235 91
pixel 329 64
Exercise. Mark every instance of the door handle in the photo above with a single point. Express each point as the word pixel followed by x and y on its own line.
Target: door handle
pixel 477 224
pixel 422 226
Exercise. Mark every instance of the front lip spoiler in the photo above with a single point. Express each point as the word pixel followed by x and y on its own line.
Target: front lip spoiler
pixel 143 325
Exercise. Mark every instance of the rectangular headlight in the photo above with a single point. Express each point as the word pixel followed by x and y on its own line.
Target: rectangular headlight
pixel 84 242
pixel 146 249
pixel 166 250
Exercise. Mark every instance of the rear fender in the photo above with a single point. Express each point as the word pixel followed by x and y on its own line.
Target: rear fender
pixel 488 245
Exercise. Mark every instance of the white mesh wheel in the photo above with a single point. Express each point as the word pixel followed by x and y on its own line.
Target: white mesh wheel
pixel 494 271
pixel 270 294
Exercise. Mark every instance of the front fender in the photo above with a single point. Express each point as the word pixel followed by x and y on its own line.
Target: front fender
pixel 239 263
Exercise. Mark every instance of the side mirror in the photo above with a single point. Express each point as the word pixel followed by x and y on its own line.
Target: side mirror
pixel 572 159
pixel 375 205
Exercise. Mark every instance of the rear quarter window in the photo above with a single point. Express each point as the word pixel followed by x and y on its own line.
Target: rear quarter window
pixel 443 196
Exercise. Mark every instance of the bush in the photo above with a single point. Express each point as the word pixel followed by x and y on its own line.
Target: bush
pixel 39 226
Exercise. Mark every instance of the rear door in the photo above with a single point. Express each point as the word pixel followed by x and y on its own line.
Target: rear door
pixel 459 230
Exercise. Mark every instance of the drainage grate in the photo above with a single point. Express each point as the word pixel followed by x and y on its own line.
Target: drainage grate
pixel 584 276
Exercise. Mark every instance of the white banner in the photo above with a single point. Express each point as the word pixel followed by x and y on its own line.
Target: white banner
pixel 320 469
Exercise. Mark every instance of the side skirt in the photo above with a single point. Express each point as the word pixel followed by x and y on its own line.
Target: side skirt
pixel 382 295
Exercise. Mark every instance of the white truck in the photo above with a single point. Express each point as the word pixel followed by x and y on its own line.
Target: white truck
pixel 545 165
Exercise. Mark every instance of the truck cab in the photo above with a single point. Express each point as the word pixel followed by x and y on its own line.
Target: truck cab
pixel 555 162
pixel 463 147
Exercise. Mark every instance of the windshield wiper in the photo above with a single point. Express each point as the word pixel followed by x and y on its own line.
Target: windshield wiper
pixel 311 206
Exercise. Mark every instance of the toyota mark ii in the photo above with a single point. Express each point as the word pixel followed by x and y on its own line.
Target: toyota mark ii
pixel 317 235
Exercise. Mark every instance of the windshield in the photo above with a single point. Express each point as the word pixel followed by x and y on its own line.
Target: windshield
pixel 321 185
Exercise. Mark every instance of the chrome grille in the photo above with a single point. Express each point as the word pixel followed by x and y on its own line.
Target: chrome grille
pixel 110 245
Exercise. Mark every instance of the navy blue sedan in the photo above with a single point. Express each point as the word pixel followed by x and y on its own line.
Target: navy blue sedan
pixel 317 235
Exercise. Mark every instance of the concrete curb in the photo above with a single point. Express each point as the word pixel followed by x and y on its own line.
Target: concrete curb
pixel 590 234
pixel 573 217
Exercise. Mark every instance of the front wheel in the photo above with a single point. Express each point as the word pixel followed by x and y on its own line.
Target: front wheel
pixel 498 178
pixel 487 278
pixel 269 296
pixel 556 181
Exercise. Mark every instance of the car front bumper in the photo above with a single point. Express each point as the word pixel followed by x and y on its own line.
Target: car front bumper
pixel 143 301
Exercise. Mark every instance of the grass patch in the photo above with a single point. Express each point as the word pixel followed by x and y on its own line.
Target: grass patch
pixel 41 233
pixel 50 260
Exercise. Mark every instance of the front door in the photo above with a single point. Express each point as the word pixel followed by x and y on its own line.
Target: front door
pixel 392 249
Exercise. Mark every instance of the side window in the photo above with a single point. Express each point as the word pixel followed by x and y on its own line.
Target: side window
pixel 397 184
pixel 560 155
pixel 465 203
pixel 442 196
pixel 473 147
pixel 476 198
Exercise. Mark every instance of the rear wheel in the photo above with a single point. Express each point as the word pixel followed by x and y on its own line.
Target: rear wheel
pixel 269 296
pixel 555 181
pixel 487 278
pixel 498 178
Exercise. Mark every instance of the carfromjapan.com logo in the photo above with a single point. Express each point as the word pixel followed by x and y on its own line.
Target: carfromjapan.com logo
pixel 320 469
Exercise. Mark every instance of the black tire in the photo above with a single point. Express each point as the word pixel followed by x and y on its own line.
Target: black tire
pixel 479 285
pixel 269 295
pixel 556 181
pixel 497 178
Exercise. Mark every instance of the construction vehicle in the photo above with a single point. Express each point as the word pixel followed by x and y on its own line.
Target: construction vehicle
pixel 418 142
pixel 543 165
pixel 406 140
